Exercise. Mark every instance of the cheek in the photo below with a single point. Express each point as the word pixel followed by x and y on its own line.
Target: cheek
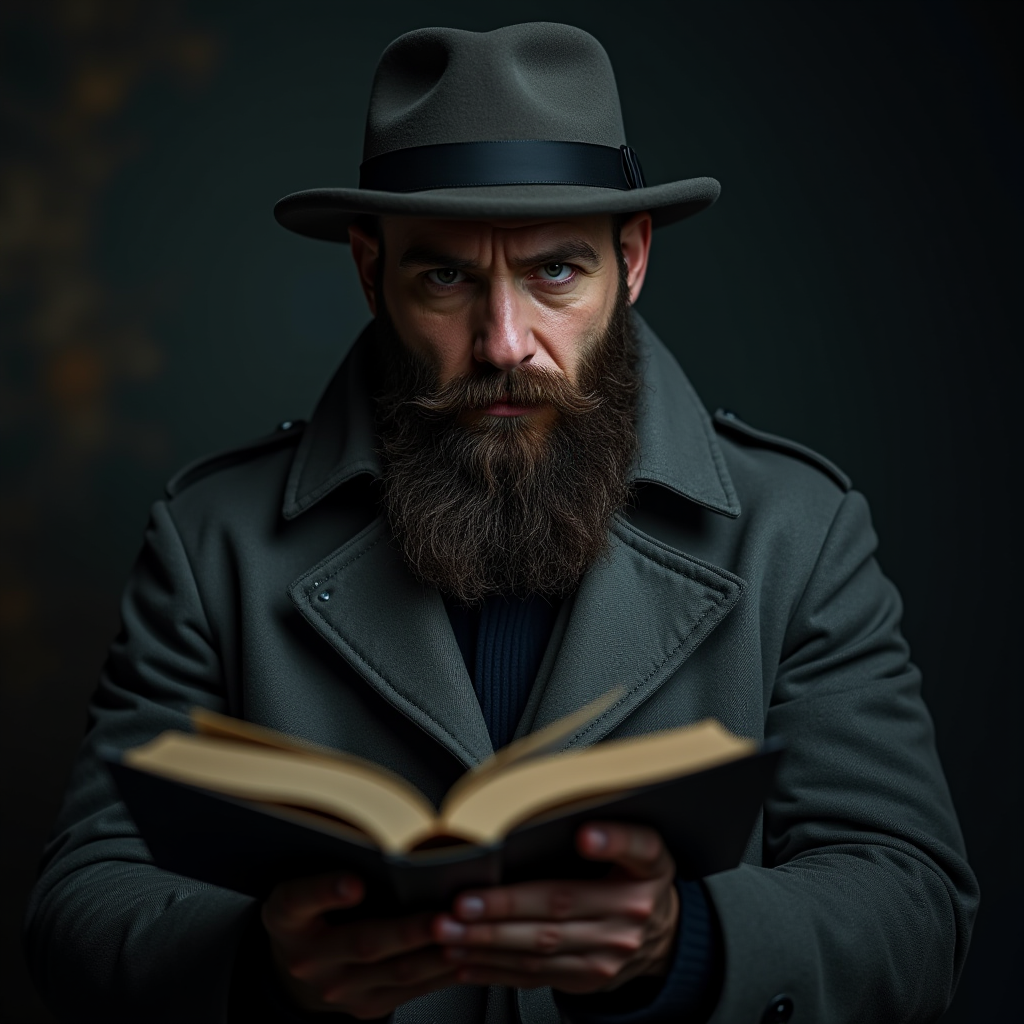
pixel 566 340
pixel 445 342
pixel 442 339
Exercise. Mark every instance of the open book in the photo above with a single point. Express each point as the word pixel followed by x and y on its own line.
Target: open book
pixel 243 806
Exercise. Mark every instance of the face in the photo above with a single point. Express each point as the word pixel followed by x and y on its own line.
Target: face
pixel 508 391
pixel 472 296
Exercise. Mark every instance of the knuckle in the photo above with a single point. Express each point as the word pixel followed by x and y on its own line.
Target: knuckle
pixel 643 844
pixel 650 845
pixel 605 968
pixel 547 940
pixel 642 906
pixel 560 903
pixel 629 940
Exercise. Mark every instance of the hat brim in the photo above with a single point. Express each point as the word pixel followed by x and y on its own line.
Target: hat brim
pixel 326 213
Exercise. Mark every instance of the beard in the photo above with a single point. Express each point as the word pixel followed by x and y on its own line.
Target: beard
pixel 484 504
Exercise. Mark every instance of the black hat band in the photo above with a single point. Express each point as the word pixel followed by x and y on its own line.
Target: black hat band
pixel 471 164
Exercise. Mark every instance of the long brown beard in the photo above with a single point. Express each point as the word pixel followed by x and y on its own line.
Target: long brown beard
pixel 500 505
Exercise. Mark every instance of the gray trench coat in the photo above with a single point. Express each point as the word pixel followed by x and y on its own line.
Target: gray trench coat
pixel 742 585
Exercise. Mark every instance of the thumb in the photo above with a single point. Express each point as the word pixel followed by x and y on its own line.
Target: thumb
pixel 638 850
pixel 295 904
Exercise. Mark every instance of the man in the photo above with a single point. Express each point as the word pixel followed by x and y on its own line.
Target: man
pixel 508 501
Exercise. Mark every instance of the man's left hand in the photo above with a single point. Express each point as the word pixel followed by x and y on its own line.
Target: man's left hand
pixel 576 936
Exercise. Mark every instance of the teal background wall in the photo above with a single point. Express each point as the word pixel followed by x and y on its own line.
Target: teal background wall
pixel 857 288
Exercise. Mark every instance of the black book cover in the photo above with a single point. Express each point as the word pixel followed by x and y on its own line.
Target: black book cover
pixel 705 819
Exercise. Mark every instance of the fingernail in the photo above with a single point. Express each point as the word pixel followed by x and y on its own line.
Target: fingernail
pixel 449 929
pixel 471 907
pixel 597 840
pixel 345 888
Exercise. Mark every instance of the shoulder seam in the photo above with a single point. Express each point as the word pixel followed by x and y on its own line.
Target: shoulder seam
pixel 203 467
pixel 731 423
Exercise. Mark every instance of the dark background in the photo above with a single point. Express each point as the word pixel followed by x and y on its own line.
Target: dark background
pixel 857 287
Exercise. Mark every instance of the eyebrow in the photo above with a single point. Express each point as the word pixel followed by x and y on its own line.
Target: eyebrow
pixel 571 250
pixel 424 256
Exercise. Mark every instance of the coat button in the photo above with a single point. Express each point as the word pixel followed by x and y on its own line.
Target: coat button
pixel 779 1010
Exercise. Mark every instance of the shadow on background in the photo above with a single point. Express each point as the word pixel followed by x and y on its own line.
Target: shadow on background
pixel 857 287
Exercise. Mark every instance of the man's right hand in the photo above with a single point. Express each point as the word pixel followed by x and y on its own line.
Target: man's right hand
pixel 366 968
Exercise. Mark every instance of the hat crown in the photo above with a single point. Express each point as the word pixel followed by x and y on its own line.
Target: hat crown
pixel 538 80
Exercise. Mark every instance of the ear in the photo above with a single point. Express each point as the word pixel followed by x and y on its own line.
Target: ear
pixel 635 242
pixel 366 252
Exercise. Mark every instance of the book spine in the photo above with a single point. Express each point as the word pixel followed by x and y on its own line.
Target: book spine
pixel 427 882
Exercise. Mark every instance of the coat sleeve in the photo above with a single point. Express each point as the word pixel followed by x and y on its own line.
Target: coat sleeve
pixel 863 908
pixel 111 937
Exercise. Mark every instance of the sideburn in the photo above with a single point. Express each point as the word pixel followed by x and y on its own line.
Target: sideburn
pixel 500 506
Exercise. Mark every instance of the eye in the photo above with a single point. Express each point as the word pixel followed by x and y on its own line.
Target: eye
pixel 446 276
pixel 556 272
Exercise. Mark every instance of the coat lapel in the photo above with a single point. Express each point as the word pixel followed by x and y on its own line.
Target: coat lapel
pixel 642 610
pixel 639 614
pixel 395 634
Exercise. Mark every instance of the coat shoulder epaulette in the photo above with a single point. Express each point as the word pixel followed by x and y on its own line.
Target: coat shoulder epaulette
pixel 287 433
pixel 732 424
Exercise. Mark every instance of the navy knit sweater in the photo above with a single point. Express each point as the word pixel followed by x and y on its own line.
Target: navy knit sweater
pixel 503 642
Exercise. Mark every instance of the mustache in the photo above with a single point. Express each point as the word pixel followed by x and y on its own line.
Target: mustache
pixel 524 386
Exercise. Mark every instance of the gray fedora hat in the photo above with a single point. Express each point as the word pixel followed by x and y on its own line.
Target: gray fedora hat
pixel 523 122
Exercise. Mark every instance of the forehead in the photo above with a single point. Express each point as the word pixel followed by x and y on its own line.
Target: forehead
pixel 472 236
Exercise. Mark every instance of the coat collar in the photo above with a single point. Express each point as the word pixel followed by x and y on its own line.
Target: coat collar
pixel 338 443
pixel 678 448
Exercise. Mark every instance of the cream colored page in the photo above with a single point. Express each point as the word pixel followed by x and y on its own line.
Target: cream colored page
pixel 210 723
pixel 393 816
pixel 536 744
pixel 487 812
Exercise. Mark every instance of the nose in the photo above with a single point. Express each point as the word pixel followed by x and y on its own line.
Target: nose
pixel 504 337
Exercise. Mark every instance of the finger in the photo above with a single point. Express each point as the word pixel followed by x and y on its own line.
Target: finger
pixel 552 901
pixel 362 942
pixel 544 938
pixel 294 904
pixel 568 973
pixel 411 970
pixel 636 848
pixel 380 1002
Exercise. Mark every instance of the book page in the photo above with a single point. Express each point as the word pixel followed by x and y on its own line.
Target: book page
pixel 503 800
pixel 391 812
pixel 210 723
pixel 536 744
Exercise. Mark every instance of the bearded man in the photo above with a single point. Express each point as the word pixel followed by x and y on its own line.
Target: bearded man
pixel 507 501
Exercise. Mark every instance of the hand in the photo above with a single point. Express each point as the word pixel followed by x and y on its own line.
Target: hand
pixel 366 968
pixel 574 936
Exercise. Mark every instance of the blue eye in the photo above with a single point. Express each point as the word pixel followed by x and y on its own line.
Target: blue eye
pixel 446 276
pixel 556 271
